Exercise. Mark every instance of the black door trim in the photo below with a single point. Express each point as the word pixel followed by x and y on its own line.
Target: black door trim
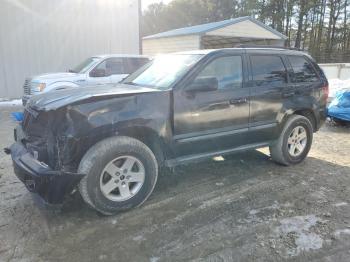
pixel 204 135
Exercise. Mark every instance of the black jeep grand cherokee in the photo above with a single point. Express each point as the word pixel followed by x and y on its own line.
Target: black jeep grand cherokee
pixel 109 141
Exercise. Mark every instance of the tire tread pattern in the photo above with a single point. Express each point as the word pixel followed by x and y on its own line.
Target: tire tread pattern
pixel 96 153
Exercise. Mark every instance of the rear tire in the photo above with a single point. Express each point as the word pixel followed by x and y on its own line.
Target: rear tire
pixel 121 173
pixel 294 143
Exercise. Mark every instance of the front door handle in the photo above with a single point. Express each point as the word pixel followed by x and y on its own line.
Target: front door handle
pixel 238 101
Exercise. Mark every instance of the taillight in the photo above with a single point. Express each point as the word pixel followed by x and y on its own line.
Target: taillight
pixel 325 91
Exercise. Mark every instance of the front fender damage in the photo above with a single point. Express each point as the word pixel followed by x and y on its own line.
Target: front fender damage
pixel 50 143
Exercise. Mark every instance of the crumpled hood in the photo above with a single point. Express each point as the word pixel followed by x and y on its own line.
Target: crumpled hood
pixel 60 98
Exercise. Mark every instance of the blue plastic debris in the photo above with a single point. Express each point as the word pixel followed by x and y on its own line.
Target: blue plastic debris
pixel 339 108
pixel 17 116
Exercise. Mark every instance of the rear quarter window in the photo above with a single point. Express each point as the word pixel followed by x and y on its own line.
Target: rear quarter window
pixel 268 69
pixel 303 70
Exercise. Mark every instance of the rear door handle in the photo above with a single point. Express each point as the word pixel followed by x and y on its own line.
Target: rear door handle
pixel 238 101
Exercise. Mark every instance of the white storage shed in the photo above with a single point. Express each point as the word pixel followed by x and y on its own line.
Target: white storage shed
pixel 222 34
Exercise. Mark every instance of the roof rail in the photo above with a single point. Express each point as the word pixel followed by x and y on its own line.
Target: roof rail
pixel 266 46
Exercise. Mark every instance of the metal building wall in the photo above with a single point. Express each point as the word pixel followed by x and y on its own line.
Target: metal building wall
pixel 38 36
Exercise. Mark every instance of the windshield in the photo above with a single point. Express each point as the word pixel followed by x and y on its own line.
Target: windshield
pixel 84 66
pixel 163 71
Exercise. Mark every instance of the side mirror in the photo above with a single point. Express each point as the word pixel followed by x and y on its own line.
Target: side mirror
pixel 98 72
pixel 204 84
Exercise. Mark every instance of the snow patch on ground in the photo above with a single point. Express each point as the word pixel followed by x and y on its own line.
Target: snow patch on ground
pixel 15 102
pixel 139 238
pixel 340 204
pixel 267 213
pixel 339 232
pixel 298 230
pixel 262 214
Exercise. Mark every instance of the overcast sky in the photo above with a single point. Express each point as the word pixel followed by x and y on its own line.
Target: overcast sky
pixel 146 3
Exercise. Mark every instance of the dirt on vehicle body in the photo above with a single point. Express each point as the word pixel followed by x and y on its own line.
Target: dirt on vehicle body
pixel 242 207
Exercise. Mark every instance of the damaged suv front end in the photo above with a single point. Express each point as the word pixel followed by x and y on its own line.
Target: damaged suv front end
pixel 59 127
pixel 37 155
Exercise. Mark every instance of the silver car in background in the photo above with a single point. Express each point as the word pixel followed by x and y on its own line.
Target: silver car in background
pixel 102 69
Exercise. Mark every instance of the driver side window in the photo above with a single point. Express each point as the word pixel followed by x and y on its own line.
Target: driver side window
pixel 110 66
pixel 227 70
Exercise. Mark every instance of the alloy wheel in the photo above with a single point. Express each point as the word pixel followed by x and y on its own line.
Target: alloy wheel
pixel 122 178
pixel 297 141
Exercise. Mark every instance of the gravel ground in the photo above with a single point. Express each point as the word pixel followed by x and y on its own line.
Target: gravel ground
pixel 238 208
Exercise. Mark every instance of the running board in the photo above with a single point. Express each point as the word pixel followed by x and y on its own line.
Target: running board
pixel 203 156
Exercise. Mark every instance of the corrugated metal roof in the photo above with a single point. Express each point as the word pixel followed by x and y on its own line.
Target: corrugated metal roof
pixel 204 28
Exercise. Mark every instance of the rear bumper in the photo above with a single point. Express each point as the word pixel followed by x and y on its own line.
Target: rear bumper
pixel 322 117
pixel 51 185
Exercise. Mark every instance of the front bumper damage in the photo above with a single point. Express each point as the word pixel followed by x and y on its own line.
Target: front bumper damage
pixel 51 185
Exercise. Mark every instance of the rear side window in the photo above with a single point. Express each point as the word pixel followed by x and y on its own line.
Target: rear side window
pixel 132 64
pixel 303 70
pixel 227 70
pixel 268 68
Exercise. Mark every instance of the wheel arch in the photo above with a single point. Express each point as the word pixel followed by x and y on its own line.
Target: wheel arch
pixel 310 115
pixel 306 112
pixel 147 136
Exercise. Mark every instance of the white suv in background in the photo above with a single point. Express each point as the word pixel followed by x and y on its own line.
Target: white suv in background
pixel 102 69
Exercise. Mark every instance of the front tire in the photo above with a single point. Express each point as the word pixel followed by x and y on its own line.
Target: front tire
pixel 294 142
pixel 121 173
